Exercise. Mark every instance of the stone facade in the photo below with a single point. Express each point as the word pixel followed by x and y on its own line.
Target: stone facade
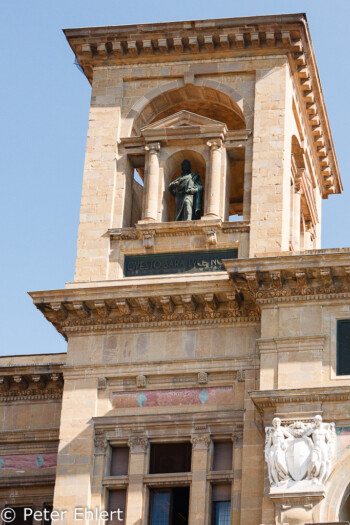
pixel 202 359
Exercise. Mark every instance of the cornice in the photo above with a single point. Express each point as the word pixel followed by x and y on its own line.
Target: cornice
pixel 270 399
pixel 119 428
pixel 29 436
pixel 30 387
pixel 178 229
pixel 287 278
pixel 220 39
pixel 115 308
pixel 28 481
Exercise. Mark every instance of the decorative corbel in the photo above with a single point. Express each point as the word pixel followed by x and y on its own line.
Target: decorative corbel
pixel 211 238
pixel 148 238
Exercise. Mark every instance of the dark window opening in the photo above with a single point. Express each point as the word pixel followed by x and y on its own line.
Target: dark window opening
pixel 170 506
pixel 117 503
pixel 119 461
pixel 169 458
pixel 343 347
pixel 47 514
pixel 222 459
pixel 221 504
pixel 19 519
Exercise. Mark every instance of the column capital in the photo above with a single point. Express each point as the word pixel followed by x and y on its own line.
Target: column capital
pixel 214 144
pixel 100 442
pixel 237 437
pixel 138 444
pixel 153 147
pixel 201 441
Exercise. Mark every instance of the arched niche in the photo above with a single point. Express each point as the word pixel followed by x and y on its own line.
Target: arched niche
pixel 203 100
pixel 172 170
pixel 336 502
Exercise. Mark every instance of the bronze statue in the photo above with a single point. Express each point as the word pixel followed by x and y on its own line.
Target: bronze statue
pixel 188 191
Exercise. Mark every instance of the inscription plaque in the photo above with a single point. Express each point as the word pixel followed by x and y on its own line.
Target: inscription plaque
pixel 180 262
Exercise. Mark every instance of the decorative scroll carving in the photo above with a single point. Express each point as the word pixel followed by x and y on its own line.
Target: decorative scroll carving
pixel 200 441
pixel 299 452
pixel 138 444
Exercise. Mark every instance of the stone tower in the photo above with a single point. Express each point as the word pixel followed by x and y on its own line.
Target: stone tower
pixel 187 337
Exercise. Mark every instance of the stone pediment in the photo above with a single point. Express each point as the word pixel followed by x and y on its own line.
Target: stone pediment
pixel 183 118
pixel 183 122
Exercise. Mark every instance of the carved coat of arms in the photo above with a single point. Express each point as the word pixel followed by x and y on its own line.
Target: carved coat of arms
pixel 300 451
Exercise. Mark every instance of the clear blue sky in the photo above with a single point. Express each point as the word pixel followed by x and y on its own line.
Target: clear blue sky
pixel 43 126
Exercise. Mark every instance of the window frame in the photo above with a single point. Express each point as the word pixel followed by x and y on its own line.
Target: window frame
pixel 338 373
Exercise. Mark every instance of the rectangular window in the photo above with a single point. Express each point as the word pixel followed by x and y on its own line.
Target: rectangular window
pixel 169 458
pixel 221 504
pixel 222 512
pixel 117 503
pixel 343 347
pixel 222 459
pixel 169 506
pixel 120 461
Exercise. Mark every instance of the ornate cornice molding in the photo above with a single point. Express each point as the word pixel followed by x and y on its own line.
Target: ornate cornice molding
pixel 81 311
pixel 287 278
pixel 31 387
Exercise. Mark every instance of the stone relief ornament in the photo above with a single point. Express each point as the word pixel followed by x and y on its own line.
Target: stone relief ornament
pixel 299 453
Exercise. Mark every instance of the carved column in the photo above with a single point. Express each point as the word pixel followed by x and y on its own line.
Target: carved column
pixel 152 182
pixel 199 499
pixel 137 469
pixel 213 183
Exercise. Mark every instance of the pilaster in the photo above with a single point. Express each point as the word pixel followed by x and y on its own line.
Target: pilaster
pixel 199 499
pixel 270 197
pixel 137 469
